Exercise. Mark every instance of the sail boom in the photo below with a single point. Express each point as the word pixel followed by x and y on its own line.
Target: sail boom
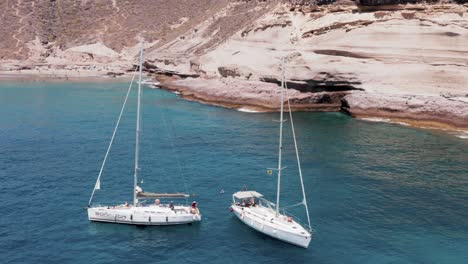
pixel 143 195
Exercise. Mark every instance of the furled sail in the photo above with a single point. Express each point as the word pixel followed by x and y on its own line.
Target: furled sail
pixel 138 189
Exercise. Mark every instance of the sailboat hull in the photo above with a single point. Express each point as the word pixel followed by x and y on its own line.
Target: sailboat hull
pixel 264 221
pixel 145 215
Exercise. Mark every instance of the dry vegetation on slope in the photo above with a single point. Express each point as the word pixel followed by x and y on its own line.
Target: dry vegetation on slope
pixel 117 24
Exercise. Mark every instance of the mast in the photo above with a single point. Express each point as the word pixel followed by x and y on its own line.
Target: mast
pixel 137 139
pixel 280 139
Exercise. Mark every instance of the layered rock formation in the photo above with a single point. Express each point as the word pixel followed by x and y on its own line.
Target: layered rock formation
pixel 358 58
pixel 428 111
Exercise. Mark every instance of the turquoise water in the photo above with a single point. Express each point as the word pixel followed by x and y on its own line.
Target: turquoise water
pixel 378 193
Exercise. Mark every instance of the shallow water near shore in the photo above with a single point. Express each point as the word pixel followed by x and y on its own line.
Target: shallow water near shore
pixel 378 193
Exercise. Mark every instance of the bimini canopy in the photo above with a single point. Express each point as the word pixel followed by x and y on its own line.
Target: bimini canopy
pixel 143 195
pixel 247 194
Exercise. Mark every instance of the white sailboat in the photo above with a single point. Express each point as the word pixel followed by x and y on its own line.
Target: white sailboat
pixel 140 212
pixel 267 217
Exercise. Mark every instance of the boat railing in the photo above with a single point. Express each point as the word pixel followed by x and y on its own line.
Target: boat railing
pixel 283 211
pixel 143 203
pixel 296 219
pixel 109 204
pixel 122 204
pixel 270 205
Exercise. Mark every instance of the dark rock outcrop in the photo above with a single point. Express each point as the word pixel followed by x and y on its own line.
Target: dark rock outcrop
pixel 227 71
pixel 322 82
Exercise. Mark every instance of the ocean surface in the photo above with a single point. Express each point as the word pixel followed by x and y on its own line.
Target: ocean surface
pixel 378 193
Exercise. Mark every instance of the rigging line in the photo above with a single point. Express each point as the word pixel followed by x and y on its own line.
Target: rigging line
pixel 296 219
pixel 304 201
pixel 291 206
pixel 171 140
pixel 112 138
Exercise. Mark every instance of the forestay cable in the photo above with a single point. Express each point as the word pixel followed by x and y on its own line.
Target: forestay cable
pixel 97 186
pixel 304 201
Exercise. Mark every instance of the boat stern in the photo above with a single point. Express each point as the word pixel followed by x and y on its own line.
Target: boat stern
pixel 197 217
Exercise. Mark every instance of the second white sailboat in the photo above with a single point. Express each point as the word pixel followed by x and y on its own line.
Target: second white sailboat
pixel 265 216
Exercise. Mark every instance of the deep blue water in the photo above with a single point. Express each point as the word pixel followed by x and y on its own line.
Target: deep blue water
pixel 378 193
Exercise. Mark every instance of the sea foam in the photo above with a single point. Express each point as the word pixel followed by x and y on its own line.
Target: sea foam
pixel 247 110
pixel 383 120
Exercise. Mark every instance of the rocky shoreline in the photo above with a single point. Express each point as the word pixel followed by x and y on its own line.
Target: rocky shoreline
pixel 254 95
pixel 421 111
pixel 448 113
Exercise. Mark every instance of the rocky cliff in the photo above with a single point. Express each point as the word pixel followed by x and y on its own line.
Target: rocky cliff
pixel 227 52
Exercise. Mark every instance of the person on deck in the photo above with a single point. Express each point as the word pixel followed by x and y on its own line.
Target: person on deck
pixel 194 209
pixel 252 202
pixel 157 202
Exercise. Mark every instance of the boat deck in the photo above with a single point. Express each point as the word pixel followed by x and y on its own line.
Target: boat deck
pixel 261 213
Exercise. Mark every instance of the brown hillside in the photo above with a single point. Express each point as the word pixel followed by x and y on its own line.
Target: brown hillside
pixel 118 24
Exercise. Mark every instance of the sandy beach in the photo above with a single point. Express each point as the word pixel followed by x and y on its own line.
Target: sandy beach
pixel 60 76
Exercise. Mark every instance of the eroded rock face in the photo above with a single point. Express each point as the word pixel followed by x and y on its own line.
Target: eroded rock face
pixel 261 96
pixel 151 68
pixel 438 109
pixel 320 82
pixel 321 98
